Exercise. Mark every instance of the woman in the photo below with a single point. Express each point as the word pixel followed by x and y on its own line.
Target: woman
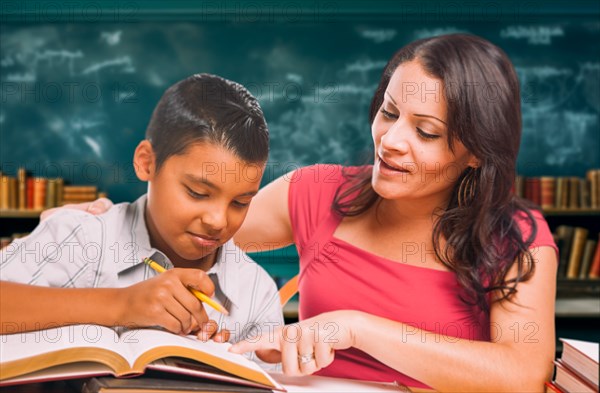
pixel 423 268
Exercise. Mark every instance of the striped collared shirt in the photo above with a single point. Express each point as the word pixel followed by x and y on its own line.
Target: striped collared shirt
pixel 74 249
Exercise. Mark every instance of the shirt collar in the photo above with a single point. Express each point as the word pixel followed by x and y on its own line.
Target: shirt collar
pixel 225 284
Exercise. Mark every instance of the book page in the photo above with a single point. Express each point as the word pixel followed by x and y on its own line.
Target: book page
pixel 61 372
pixel 589 349
pixel 148 345
pixel 143 340
pixel 29 344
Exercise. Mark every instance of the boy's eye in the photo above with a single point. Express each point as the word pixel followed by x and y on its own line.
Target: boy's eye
pixel 426 135
pixel 388 115
pixel 241 204
pixel 194 194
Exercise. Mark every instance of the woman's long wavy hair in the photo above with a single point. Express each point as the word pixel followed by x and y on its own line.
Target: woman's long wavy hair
pixel 484 113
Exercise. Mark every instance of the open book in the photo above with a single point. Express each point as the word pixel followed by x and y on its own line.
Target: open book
pixel 81 351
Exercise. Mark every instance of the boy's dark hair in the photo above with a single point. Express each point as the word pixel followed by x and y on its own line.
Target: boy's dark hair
pixel 208 108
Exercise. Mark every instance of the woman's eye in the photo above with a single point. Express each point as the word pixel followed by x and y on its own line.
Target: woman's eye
pixel 426 135
pixel 388 114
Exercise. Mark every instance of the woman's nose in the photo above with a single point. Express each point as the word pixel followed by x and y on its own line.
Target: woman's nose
pixel 395 138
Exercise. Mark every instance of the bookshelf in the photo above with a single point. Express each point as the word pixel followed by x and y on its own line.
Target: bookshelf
pixel 577 313
pixel 23 196
pixel 576 212
pixel 571 206
pixel 16 213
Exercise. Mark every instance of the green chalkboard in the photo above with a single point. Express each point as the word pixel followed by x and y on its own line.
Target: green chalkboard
pixel 79 82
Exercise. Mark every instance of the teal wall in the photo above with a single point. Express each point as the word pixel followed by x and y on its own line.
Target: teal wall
pixel 80 79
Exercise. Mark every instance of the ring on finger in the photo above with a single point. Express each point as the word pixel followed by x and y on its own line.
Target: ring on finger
pixel 304 359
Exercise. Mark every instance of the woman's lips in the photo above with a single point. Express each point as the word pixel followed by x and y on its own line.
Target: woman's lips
pixel 386 168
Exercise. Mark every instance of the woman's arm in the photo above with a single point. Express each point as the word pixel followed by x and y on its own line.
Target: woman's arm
pixel 267 225
pixel 518 359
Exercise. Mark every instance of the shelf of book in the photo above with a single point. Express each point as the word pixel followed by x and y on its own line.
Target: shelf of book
pixel 19 213
pixel 577 308
pixel 578 288
pixel 571 212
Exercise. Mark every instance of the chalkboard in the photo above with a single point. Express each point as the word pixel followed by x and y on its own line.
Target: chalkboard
pixel 77 92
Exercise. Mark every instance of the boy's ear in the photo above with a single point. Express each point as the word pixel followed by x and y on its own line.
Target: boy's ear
pixel 144 161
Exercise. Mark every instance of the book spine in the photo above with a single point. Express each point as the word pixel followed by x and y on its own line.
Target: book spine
pixel 13 193
pixel 565 236
pixel 552 388
pixel 22 185
pixel 579 239
pixel 584 194
pixel 4 192
pixel 573 193
pixel 596 178
pixel 548 189
pixel 564 197
pixel 80 189
pixel 533 190
pixel 559 190
pixel 587 257
pixel 39 193
pixel 29 192
pixel 520 186
pixel 593 180
pixel 51 193
pixel 75 195
pixel 595 268
pixel 60 186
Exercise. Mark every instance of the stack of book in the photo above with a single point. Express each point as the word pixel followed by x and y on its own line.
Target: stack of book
pixel 78 194
pixel 577 369
pixel 561 192
pixel 579 255
pixel 26 192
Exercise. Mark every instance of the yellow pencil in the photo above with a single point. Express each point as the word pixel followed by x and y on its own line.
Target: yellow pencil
pixel 202 297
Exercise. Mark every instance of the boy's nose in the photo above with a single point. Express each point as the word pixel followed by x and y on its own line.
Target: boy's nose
pixel 214 221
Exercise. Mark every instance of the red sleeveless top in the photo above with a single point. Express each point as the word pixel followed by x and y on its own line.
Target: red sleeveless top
pixel 335 275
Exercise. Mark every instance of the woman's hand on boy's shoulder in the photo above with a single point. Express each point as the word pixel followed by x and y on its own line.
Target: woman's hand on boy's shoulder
pixel 99 206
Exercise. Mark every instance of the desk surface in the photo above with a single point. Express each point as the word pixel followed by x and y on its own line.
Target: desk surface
pixel 292 384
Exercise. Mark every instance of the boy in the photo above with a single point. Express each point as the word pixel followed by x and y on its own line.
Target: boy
pixel 203 157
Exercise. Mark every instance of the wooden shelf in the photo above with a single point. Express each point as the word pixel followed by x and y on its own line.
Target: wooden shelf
pixel 565 308
pixel 578 308
pixel 16 213
pixel 571 212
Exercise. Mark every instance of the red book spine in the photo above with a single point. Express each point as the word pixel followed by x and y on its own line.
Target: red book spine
pixel 595 268
pixel 30 192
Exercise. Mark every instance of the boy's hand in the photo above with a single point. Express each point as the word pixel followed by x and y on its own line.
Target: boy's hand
pixel 209 330
pixel 165 300
pixel 96 207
